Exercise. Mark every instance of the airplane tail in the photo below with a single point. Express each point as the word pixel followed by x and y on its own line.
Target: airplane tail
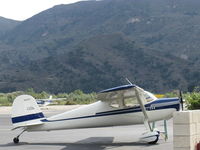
pixel 26 112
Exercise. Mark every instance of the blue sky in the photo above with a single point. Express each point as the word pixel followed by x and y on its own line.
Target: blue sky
pixel 23 9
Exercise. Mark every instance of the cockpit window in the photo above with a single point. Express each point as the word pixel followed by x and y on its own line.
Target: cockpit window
pixel 128 98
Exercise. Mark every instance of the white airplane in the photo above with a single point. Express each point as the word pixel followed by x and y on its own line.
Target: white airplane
pixel 48 101
pixel 123 105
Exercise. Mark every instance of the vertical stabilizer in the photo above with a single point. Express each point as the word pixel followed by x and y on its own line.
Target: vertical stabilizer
pixel 26 112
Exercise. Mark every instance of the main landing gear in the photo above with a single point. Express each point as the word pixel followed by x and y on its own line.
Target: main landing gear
pixel 156 140
pixel 16 139
pixel 151 137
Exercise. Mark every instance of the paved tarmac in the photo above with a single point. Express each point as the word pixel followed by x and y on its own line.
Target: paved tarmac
pixel 111 138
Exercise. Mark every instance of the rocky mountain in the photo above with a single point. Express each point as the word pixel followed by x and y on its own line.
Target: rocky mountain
pixel 92 45
pixel 7 24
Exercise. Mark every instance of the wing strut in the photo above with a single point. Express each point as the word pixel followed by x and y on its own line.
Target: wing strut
pixel 146 118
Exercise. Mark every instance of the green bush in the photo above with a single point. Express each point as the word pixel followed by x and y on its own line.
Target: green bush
pixel 171 94
pixel 76 97
pixel 192 100
pixel 70 103
pixel 4 101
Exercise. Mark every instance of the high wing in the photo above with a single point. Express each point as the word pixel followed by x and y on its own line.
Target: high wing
pixel 128 94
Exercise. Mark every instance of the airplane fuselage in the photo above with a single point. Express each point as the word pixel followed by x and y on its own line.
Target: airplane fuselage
pixel 101 114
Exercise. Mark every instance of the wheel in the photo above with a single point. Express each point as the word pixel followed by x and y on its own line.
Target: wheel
pixel 154 142
pixel 16 140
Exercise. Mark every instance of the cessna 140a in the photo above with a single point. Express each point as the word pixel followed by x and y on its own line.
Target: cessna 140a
pixel 123 105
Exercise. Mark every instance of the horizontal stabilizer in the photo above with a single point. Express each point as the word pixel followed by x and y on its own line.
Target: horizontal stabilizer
pixel 32 123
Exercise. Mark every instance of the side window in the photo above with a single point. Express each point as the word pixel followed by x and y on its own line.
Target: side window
pixel 130 102
pixel 114 104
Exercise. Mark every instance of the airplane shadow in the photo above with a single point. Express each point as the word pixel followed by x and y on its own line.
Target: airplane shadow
pixel 97 143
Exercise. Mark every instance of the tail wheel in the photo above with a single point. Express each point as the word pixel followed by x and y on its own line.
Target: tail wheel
pixel 16 140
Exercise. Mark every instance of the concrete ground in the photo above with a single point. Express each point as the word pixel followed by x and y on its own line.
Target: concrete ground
pixel 111 138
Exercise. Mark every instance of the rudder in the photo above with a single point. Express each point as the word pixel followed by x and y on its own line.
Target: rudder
pixel 26 112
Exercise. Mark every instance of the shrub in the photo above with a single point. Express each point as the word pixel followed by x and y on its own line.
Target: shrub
pixel 193 100
pixel 76 97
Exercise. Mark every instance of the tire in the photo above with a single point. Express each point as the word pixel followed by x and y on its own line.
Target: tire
pixel 16 140
pixel 154 142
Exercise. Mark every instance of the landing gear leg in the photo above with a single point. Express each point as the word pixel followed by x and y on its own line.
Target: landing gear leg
pixel 165 128
pixel 16 139
pixel 153 125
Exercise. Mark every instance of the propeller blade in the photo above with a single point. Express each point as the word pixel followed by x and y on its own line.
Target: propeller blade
pixel 181 99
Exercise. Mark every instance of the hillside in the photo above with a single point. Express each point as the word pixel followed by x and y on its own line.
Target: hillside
pixel 158 24
pixel 93 45
pixel 101 62
pixel 7 24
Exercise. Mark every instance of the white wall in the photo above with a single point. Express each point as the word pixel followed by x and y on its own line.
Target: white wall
pixel 186 127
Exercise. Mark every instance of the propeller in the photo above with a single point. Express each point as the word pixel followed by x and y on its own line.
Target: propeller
pixel 181 99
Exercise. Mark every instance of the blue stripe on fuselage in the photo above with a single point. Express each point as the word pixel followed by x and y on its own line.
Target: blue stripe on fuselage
pixel 27 117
